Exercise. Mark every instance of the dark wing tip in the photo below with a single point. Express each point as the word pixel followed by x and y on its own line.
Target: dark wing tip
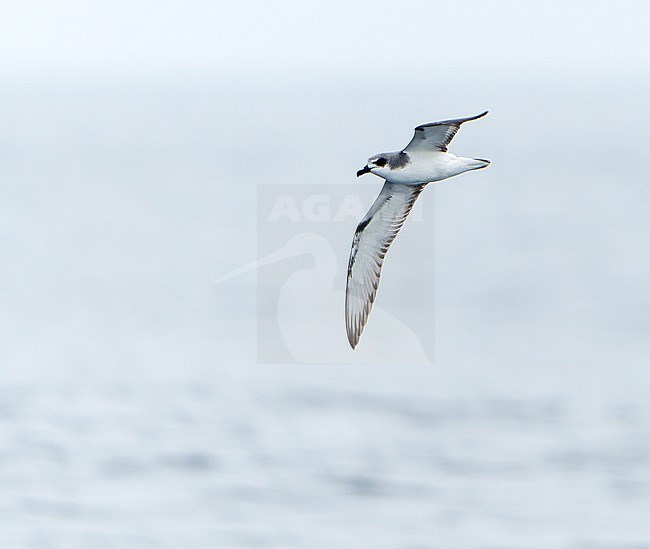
pixel 353 337
pixel 462 120
pixel 456 121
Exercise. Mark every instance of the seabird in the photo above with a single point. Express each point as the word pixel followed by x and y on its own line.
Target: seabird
pixel 424 160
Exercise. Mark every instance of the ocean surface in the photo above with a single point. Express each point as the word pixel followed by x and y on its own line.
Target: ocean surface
pixel 134 409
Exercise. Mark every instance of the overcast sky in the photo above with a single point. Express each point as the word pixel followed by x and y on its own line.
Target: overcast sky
pixel 371 37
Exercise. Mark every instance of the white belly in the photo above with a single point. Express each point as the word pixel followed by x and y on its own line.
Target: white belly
pixel 430 167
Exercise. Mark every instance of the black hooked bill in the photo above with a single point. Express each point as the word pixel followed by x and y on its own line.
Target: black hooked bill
pixel 365 169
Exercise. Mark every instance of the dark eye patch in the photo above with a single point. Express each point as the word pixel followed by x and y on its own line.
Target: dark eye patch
pixel 381 162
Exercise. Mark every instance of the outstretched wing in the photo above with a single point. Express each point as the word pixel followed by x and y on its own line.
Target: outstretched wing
pixel 437 135
pixel 371 241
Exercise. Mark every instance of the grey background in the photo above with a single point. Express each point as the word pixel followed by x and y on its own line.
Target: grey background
pixel 133 412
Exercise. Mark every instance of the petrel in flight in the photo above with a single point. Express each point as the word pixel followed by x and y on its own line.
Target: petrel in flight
pixel 424 160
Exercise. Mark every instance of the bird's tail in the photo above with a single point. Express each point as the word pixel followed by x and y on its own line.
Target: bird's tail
pixel 477 163
pixel 467 164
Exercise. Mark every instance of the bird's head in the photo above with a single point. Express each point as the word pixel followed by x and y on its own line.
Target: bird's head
pixel 377 164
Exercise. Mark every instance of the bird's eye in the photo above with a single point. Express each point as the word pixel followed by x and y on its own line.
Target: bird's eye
pixel 381 162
